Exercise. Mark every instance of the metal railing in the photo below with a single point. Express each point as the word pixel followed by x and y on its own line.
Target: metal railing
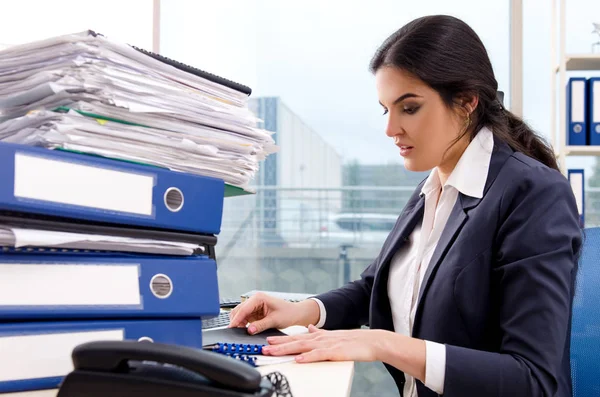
pixel 310 217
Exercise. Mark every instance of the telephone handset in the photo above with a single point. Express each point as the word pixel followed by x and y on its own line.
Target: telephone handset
pixel 131 368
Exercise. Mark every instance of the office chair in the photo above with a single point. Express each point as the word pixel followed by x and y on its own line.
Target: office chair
pixel 585 329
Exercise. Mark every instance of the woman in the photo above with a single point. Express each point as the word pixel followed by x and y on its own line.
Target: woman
pixel 471 294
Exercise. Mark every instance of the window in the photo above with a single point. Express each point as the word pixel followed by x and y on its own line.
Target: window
pixel 307 62
pixel 337 181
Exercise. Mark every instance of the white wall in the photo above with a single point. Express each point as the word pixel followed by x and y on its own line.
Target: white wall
pixel 216 36
pixel 23 21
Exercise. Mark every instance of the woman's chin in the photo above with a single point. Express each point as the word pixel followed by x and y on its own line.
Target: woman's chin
pixel 416 166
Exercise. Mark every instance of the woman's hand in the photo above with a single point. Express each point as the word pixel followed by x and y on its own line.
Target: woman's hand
pixel 321 345
pixel 403 352
pixel 264 312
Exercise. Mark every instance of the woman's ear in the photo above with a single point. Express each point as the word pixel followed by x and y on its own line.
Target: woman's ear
pixel 468 103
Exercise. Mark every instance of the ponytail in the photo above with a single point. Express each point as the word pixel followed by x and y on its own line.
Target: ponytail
pixel 519 136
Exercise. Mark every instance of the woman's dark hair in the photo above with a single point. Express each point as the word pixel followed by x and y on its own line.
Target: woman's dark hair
pixel 446 54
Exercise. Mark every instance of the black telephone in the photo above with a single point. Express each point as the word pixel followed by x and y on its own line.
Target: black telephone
pixel 145 369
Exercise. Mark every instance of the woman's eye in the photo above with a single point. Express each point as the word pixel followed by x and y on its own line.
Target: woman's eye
pixel 411 110
pixel 385 111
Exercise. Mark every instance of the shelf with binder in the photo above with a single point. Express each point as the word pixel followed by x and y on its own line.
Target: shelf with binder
pixel 564 143
pixel 579 115
pixel 587 150
pixel 580 62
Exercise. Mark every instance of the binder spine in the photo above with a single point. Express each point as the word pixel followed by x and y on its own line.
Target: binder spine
pixel 593 113
pixel 8 250
pixel 94 189
pixel 42 350
pixel 577 131
pixel 40 286
pixel 59 224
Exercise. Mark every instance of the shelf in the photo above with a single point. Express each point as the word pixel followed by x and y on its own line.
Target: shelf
pixel 582 150
pixel 582 62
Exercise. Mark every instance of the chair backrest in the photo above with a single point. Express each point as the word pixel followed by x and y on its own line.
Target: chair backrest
pixel 585 329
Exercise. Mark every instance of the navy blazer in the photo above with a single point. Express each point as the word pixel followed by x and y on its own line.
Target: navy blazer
pixel 498 290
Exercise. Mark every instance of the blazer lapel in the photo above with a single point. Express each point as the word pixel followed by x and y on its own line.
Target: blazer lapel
pixel 458 218
pixel 381 313
pixel 456 221
pixel 403 229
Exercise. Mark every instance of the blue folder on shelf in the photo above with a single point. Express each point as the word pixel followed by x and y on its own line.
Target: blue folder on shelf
pixel 576 112
pixel 53 286
pixel 37 355
pixel 54 182
pixel 594 110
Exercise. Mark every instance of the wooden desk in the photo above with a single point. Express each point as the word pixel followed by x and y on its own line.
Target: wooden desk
pixel 330 379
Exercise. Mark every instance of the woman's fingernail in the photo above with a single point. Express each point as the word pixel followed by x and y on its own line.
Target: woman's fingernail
pixel 299 358
pixel 252 329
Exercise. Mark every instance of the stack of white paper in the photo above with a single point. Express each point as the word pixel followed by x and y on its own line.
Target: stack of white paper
pixel 162 115
pixel 34 238
pixel 229 159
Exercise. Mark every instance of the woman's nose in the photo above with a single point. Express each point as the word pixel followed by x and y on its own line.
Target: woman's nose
pixel 393 128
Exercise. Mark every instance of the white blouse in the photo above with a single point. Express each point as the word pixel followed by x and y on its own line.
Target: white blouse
pixel 409 264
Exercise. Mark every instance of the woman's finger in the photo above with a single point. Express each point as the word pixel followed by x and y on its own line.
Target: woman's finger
pixel 295 347
pixel 315 355
pixel 234 311
pixel 239 315
pixel 278 340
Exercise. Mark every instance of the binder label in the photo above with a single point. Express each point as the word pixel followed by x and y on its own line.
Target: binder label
pixel 577 186
pixel 51 285
pixel 596 110
pixel 35 356
pixel 64 182
pixel 578 102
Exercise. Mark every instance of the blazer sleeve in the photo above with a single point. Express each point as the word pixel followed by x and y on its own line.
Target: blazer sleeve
pixel 348 306
pixel 537 251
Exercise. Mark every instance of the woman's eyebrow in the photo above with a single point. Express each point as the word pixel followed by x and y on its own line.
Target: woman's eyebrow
pixel 403 97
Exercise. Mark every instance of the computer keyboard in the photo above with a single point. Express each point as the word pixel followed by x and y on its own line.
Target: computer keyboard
pixel 222 320
pixel 228 303
pixel 288 296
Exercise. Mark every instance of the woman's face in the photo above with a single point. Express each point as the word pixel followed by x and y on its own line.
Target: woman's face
pixel 422 126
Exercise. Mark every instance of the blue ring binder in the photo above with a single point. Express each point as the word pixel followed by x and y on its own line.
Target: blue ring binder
pixel 238 351
pixel 232 348
pixel 245 358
